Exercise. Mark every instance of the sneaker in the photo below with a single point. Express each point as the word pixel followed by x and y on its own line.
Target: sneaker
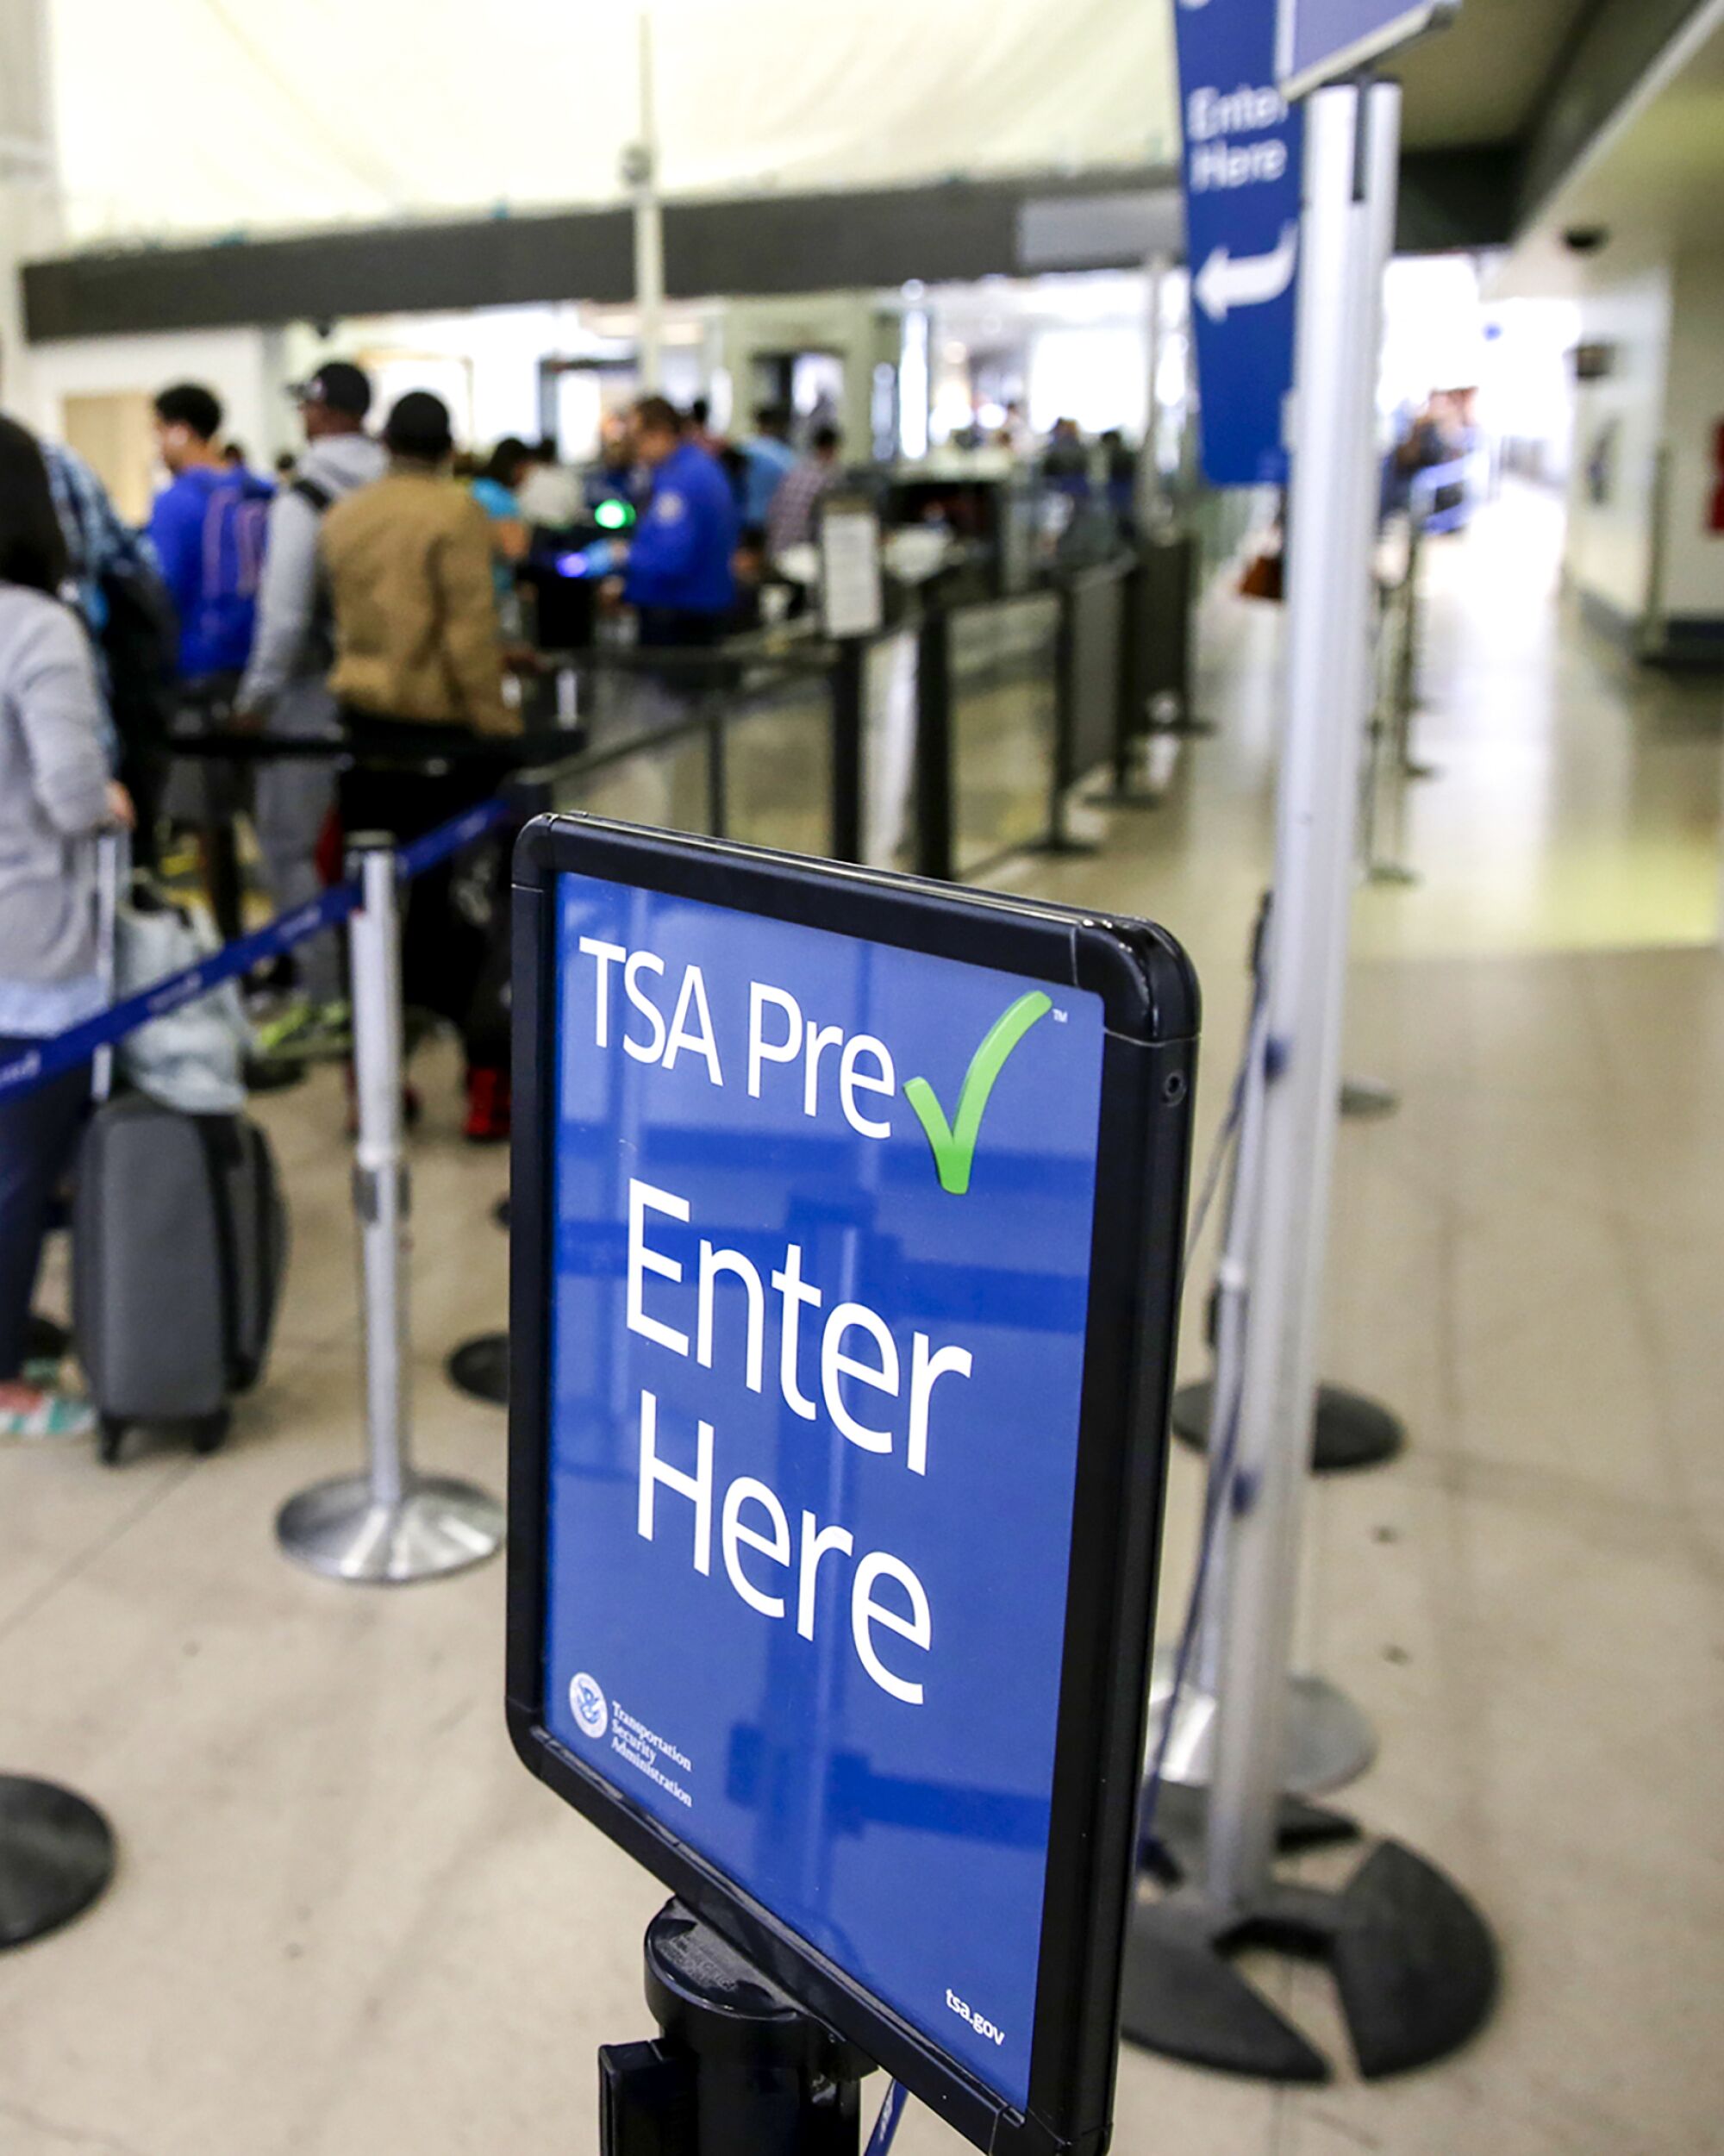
pixel 304 1032
pixel 488 1107
pixel 50 1417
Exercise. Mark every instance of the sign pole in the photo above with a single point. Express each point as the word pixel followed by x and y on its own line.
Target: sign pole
pixel 1291 1094
pixel 738 2068
pixel 1414 1963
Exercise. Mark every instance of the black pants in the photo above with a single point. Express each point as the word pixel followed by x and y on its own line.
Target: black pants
pixel 674 629
pixel 38 1131
pixel 406 780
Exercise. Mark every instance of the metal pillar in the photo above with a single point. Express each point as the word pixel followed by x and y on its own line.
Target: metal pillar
pixel 1151 492
pixel 641 172
pixel 1414 1963
pixel 390 1524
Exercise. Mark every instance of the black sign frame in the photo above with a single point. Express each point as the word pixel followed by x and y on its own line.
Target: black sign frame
pixel 1150 1002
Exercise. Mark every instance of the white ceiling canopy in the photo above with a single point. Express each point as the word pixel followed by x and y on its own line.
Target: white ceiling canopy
pixel 186 117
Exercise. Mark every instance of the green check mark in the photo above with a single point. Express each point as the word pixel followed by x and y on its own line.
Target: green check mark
pixel 953 1145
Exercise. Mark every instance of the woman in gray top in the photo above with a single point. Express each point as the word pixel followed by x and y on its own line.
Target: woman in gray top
pixel 55 794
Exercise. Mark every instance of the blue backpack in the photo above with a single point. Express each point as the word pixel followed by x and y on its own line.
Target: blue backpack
pixel 235 535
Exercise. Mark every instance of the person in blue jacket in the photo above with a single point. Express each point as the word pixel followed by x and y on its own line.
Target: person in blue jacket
pixel 679 573
pixel 208 525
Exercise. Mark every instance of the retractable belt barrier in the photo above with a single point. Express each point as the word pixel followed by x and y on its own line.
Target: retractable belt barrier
pixel 61 1052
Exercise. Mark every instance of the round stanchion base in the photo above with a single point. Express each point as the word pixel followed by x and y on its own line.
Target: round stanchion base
pixel 1349 1430
pixel 499 1213
pixel 1329 1743
pixel 1414 1963
pixel 439 1526
pixel 480 1367
pixel 56 1858
pixel 1368 1100
pixel 1395 872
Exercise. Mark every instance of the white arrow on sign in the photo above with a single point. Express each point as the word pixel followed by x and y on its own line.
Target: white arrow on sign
pixel 1249 281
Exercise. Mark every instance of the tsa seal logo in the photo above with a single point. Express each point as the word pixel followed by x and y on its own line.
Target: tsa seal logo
pixel 587 1704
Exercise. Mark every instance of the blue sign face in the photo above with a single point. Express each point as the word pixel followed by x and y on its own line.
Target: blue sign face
pixel 1242 180
pixel 823 1220
pixel 1319 39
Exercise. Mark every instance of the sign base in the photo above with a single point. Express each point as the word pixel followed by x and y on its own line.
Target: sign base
pixel 740 2069
pixel 56 1858
pixel 438 1526
pixel 1348 1430
pixel 1414 1965
pixel 480 1367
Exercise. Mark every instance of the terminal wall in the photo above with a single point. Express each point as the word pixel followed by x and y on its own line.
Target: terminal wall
pixel 1619 422
pixel 1693 577
pixel 94 392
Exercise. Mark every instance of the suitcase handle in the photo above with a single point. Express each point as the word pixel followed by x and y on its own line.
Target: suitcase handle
pixel 113 874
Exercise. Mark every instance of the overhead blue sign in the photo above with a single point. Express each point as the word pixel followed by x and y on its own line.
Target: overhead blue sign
pixel 1318 40
pixel 1241 180
pixel 822 1220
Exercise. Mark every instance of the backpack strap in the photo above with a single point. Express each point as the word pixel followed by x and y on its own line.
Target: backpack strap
pixel 309 491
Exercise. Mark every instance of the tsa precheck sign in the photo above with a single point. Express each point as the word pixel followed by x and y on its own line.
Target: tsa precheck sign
pixel 822 1215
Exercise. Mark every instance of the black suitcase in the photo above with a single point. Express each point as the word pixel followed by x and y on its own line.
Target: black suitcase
pixel 180 1242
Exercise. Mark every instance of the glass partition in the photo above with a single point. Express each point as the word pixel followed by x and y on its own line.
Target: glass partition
pixel 1003 690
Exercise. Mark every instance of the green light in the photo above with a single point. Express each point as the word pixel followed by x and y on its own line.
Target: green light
pixel 613 516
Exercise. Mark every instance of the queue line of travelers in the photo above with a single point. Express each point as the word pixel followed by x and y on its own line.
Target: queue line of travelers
pixel 357 601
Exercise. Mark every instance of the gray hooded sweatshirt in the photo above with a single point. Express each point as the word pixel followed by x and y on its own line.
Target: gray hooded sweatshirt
pixel 284 680
pixel 53 791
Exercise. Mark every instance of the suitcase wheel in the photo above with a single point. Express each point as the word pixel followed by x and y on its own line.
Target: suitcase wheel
pixel 109 1438
pixel 210 1434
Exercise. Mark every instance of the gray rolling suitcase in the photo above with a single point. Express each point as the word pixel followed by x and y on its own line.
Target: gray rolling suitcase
pixel 180 1241
pixel 177 1251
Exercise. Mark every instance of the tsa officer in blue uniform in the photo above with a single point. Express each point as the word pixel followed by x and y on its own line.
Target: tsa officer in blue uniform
pixel 679 575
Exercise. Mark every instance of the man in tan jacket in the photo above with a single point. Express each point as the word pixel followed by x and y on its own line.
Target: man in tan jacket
pixel 409 560
pixel 418 675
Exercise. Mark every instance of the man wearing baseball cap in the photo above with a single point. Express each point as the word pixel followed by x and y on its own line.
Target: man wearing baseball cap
pixel 285 689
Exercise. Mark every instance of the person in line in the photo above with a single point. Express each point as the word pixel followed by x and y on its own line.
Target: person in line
pixel 1065 461
pixel 700 430
pixel 796 504
pixel 285 691
pixel 55 794
pixel 208 526
pixel 770 460
pixel 548 492
pixel 612 478
pixel 678 568
pixel 494 491
pixel 418 677
pixel 118 590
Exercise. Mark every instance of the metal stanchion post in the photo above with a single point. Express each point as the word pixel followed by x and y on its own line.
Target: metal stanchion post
pixel 391 1524
pixel 846 816
pixel 1328 1740
pixel 934 815
pixel 1414 1963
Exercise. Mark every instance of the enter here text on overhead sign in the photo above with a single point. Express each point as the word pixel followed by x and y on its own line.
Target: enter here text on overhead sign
pixel 1241 180
pixel 823 1211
